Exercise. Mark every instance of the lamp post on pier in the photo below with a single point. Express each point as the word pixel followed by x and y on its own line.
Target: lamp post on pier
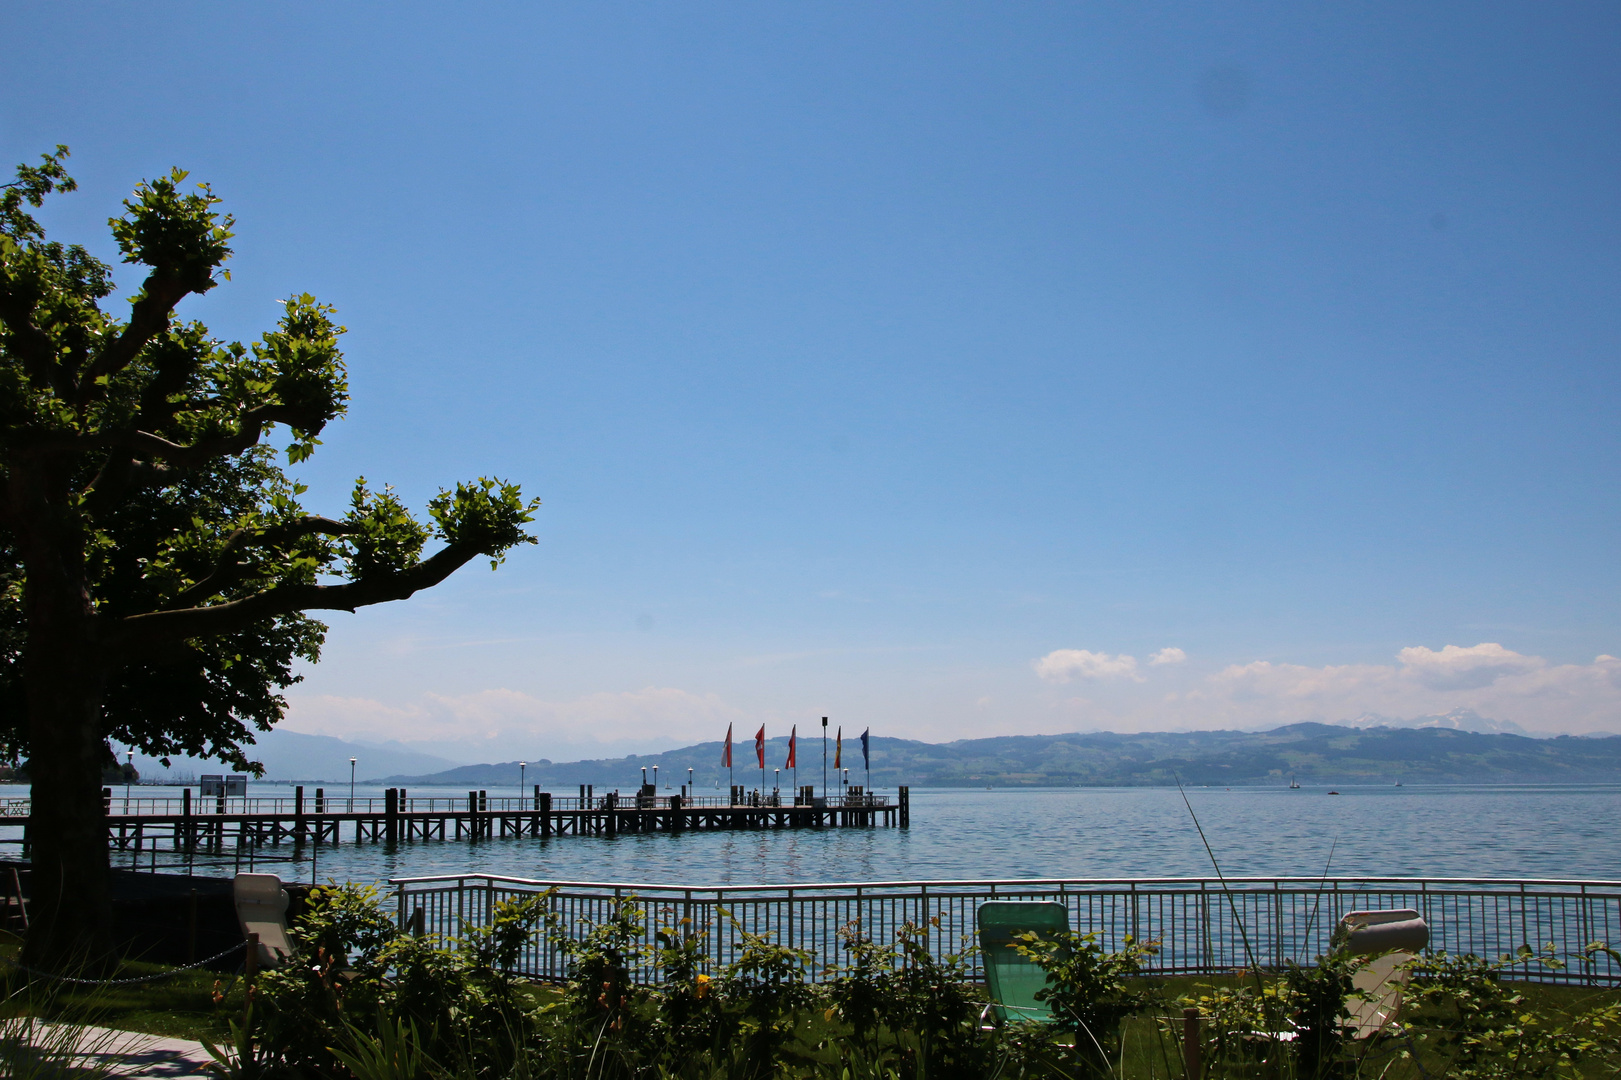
pixel 352 787
pixel 522 765
pixel 129 772
pixel 824 757
pixel 655 779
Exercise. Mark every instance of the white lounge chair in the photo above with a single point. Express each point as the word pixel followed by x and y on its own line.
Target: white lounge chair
pixel 1392 938
pixel 261 908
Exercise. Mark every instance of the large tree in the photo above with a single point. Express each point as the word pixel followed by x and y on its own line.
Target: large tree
pixel 155 559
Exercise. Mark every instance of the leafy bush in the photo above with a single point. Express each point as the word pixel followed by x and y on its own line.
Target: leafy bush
pixel 1089 988
pixel 362 1000
pixel 1479 1023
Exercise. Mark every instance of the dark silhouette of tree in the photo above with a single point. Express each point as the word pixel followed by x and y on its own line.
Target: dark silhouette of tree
pixel 155 560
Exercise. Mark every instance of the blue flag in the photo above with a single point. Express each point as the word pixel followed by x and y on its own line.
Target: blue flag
pixel 866 758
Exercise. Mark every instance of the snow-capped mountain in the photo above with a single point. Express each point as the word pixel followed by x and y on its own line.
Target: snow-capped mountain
pixel 1459 719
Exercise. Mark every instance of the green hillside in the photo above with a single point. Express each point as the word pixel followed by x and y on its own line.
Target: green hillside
pixel 1315 753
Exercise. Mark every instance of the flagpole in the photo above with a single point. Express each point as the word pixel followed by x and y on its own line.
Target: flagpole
pixel 731 783
pixel 866 756
pixel 824 757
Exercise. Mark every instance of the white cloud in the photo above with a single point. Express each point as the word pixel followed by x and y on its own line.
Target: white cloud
pixel 1063 665
pixel 1489 678
pixel 1168 655
pixel 1459 668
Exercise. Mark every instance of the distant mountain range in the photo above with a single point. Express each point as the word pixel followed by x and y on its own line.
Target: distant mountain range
pixel 1313 753
pixel 1457 720
pixel 291 755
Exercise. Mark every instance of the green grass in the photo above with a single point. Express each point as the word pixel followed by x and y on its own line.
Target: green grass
pixel 181 1006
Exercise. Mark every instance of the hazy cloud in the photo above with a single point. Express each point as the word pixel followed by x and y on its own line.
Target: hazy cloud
pixel 1063 665
pixel 522 722
pixel 1168 655
pixel 1493 680
pixel 1459 668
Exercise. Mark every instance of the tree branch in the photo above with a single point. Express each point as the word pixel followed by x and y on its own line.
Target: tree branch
pixel 228 571
pixel 30 342
pixel 122 474
pixel 147 318
pixel 250 429
pixel 134 637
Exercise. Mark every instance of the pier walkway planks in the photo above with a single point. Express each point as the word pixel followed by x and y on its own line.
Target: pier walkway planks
pixel 472 819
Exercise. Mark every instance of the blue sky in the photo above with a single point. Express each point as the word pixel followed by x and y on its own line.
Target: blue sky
pixel 932 367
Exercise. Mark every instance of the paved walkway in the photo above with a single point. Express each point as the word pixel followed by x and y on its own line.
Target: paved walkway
pixel 131 1055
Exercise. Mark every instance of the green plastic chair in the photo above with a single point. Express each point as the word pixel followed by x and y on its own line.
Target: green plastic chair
pixel 1012 978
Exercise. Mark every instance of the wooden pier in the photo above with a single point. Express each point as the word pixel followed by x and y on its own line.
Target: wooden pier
pixel 220 823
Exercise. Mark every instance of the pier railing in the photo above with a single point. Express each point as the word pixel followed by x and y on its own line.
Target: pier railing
pixel 1201 926
pixel 165 806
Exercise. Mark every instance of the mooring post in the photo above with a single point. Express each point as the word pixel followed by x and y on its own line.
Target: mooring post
pixel 250 968
pixel 543 799
pixel 391 810
pixel 472 814
pixel 1192 1048
pixel 676 822
pixel 298 811
pixel 611 800
pixel 905 806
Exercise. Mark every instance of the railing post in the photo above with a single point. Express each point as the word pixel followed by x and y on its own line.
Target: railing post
pixel 1277 922
pixel 1192 1045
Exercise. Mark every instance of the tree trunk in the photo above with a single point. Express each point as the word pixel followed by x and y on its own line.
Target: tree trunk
pixel 70 915
pixel 64 676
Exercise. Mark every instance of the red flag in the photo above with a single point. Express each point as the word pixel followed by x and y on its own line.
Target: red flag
pixel 793 738
pixel 726 755
pixel 759 746
pixel 838 748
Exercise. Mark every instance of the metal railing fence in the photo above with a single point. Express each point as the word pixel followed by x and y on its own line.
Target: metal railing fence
pixel 202 805
pixel 1201 927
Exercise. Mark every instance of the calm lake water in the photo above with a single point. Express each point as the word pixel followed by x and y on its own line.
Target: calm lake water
pixel 1502 832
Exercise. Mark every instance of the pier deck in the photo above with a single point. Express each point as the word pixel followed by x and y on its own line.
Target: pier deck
pixel 220 822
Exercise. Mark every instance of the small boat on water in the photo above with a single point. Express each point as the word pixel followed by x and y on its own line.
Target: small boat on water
pixel 1333 793
pixel 1294 785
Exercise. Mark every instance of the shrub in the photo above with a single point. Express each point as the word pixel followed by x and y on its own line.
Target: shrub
pixel 1089 988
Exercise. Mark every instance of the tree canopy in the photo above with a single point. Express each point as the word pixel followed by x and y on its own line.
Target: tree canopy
pixel 157 561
